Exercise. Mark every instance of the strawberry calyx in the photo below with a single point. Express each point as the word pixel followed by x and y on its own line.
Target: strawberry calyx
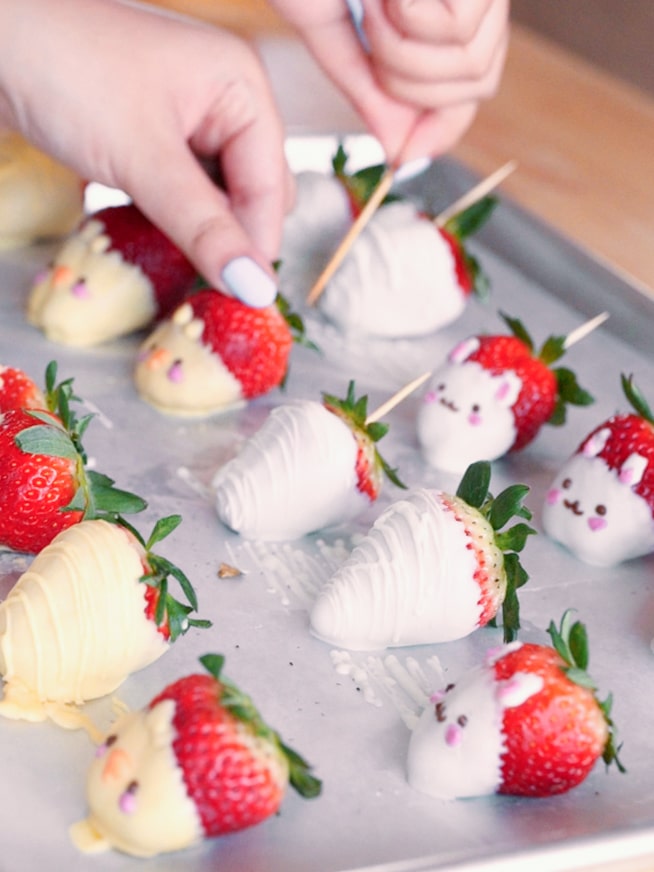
pixel 59 433
pixel 570 641
pixel 370 464
pixel 241 706
pixel 295 323
pixel 498 511
pixel 636 398
pixel 359 185
pixel 455 231
pixel 171 616
pixel 568 389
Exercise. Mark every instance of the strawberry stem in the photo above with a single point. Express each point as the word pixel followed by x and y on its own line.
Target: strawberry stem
pixel 636 398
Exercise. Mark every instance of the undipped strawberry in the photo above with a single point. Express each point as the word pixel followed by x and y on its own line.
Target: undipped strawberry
pixel 492 396
pixel 527 722
pixel 198 762
pixel 45 485
pixel 18 390
pixel 434 567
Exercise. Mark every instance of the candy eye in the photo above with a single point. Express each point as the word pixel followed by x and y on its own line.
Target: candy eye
pixel 566 483
pixel 600 510
pixel 462 720
pixel 441 386
pixel 476 408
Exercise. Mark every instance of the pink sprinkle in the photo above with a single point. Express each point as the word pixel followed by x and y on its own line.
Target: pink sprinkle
pixel 430 397
pixel 474 419
pixel 596 523
pixel 437 696
pixel 101 750
pixel 553 496
pixel 453 735
pixel 80 290
pixel 176 372
pixel 127 802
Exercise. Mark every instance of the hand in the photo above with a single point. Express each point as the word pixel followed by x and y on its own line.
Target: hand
pixel 428 64
pixel 132 97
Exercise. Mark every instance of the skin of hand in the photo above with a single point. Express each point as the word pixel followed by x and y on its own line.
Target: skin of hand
pixel 134 97
pixel 425 69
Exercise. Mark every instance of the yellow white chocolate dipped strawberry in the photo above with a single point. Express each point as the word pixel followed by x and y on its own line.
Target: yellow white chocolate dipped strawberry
pixel 92 608
pixel 39 197
pixel 114 276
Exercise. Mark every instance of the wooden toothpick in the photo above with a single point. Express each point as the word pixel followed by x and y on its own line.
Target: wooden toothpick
pixel 584 329
pixel 397 398
pixel 480 190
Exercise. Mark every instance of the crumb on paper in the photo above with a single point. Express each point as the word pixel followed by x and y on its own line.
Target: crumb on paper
pixel 226 570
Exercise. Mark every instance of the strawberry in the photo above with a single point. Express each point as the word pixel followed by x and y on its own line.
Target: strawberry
pixel 434 567
pixel 45 486
pixel 527 722
pixel 601 503
pixel 114 276
pixel 197 762
pixel 492 396
pixel 18 390
pixel 93 607
pixel 405 276
pixel 214 352
pixel 310 465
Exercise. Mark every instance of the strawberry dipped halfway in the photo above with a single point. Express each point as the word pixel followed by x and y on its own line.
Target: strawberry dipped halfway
pixel 199 761
pixel 115 275
pixel 45 484
pixel 600 506
pixel 405 276
pixel 434 567
pixel 526 722
pixel 492 396
pixel 311 465
pixel 215 353
pixel 93 607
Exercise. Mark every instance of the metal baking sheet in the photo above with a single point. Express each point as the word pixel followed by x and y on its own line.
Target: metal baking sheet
pixel 350 714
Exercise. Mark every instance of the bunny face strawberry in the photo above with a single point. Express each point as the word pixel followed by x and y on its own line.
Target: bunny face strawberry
pixel 45 486
pixel 114 276
pixel 434 567
pixel 601 504
pixel 93 607
pixel 198 762
pixel 310 465
pixel 492 396
pixel 213 353
pixel 526 722
pixel 404 276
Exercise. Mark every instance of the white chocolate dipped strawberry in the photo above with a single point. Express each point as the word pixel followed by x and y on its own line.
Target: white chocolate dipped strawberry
pixel 404 276
pixel 115 275
pixel 600 506
pixel 434 567
pixel 310 466
pixel 526 722
pixel 92 608
pixel 492 396
pixel 198 762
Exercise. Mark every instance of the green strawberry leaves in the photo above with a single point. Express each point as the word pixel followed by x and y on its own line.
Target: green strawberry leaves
pixel 636 398
pixel 242 707
pixel 168 611
pixel 355 413
pixel 570 641
pixel 498 511
pixel 59 433
pixel 469 221
pixel 361 184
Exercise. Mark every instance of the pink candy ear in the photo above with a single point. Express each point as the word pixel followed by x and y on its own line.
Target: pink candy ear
pixel 463 350
pixel 632 470
pixel 596 443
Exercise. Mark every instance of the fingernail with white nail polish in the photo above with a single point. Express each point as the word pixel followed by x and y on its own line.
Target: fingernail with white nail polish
pixel 249 282
pixel 412 168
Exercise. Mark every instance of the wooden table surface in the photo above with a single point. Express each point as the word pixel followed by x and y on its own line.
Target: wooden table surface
pixel 584 140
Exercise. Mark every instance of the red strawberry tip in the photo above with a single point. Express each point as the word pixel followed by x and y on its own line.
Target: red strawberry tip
pixel 243 708
pixel 570 641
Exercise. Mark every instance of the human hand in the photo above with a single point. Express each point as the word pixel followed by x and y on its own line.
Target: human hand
pixel 132 97
pixel 427 67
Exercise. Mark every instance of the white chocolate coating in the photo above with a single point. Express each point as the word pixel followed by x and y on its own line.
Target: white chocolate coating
pixel 456 748
pixel 466 415
pixel 410 581
pixel 90 294
pixel 178 374
pixel 398 279
pixel 74 627
pixel 296 474
pixel 318 222
pixel 596 515
pixel 137 798
pixel 39 197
